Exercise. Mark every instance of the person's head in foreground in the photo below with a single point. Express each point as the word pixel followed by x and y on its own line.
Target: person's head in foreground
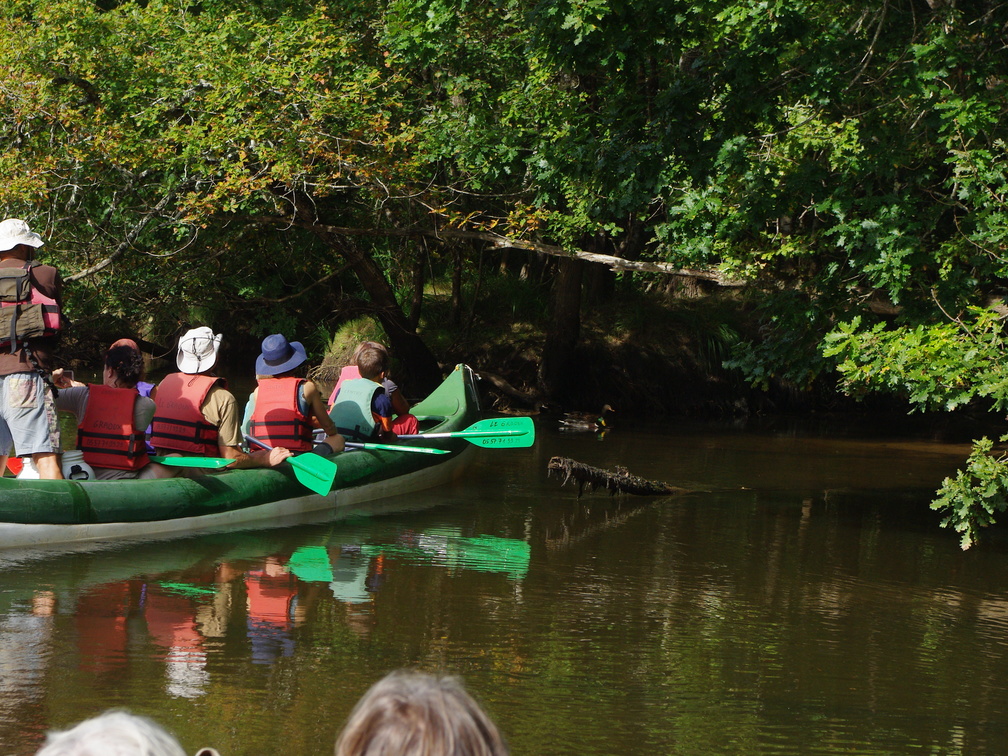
pixel 114 733
pixel 416 714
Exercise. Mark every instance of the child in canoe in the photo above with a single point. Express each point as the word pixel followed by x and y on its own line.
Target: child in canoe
pixel 403 422
pixel 285 406
pixel 363 408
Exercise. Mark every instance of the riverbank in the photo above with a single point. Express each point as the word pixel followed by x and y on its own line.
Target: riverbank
pixel 659 353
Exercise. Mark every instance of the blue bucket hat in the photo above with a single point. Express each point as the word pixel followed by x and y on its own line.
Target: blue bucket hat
pixel 279 355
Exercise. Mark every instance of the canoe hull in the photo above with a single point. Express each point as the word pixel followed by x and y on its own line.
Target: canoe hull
pixel 39 512
pixel 294 510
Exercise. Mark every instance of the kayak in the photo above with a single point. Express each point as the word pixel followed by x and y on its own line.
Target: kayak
pixel 41 512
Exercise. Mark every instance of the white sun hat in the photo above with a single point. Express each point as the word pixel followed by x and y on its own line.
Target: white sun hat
pixel 14 231
pixel 197 350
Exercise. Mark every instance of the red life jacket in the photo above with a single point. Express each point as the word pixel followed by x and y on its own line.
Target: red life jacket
pixel 106 434
pixel 277 418
pixel 178 422
pixel 25 312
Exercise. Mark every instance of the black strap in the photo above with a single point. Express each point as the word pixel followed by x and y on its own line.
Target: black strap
pixel 46 378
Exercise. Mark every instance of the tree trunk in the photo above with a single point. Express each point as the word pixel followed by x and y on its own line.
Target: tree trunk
pixel 456 290
pixel 421 370
pixel 556 365
pixel 419 261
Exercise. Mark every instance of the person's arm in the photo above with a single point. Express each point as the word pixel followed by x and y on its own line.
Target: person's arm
pixel 61 381
pixel 73 399
pixel 223 411
pixel 381 408
pixel 246 426
pixel 400 405
pixel 143 412
pixel 262 458
pixel 314 400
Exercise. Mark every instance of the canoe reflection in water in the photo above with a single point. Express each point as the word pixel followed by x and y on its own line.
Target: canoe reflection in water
pixel 187 616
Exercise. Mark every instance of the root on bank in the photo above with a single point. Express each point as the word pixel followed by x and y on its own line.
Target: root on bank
pixel 618 481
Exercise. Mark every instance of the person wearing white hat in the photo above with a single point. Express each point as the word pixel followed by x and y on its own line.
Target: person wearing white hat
pixel 195 413
pixel 29 335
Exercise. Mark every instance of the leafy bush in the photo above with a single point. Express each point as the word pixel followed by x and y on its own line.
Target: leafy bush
pixel 971 498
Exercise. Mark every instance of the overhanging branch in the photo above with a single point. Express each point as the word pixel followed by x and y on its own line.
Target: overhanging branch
pixel 126 243
pixel 505 242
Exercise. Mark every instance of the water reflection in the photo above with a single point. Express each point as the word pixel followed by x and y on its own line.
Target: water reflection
pixel 804 601
pixel 185 605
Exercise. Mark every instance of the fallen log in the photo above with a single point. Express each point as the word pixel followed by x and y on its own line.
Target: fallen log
pixel 618 481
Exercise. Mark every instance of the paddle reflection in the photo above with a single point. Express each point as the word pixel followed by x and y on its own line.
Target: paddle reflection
pixel 212 612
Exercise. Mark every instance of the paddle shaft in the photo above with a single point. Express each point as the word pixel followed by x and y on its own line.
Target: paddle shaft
pixel 394 447
pixel 466 434
pixel 501 433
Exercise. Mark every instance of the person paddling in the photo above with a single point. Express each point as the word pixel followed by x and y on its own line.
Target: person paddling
pixel 112 417
pixel 403 423
pixel 285 406
pixel 195 413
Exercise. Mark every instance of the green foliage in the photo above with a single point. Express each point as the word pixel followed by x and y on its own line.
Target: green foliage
pixel 941 366
pixel 786 350
pixel 345 339
pixel 829 154
pixel 971 498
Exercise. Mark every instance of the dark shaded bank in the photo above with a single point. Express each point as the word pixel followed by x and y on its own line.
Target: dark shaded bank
pixel 651 355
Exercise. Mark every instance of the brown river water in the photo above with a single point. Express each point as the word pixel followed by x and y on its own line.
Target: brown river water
pixel 801 600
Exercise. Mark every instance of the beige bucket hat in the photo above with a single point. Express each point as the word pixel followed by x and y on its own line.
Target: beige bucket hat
pixel 197 350
pixel 14 231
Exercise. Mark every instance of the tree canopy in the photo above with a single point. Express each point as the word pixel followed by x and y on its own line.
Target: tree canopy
pixel 845 162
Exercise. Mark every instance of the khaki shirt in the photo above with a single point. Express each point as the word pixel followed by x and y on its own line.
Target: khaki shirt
pixel 221 409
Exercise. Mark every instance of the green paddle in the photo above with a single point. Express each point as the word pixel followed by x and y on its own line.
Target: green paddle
pixel 394 447
pixel 311 470
pixel 494 432
pixel 214 463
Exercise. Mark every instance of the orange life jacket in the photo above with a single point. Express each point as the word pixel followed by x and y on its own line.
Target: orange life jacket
pixel 106 433
pixel 25 312
pixel 277 418
pixel 178 422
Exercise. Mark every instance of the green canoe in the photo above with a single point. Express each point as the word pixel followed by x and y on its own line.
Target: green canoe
pixel 38 512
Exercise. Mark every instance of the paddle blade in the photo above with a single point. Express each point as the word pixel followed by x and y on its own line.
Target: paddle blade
pixel 311 470
pixel 212 463
pixel 314 472
pixel 494 432
pixel 500 433
pixel 502 440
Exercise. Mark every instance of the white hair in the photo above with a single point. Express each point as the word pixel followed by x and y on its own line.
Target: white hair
pixel 114 733
pixel 410 713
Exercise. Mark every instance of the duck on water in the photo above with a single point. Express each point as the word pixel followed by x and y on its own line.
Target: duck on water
pixel 585 421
